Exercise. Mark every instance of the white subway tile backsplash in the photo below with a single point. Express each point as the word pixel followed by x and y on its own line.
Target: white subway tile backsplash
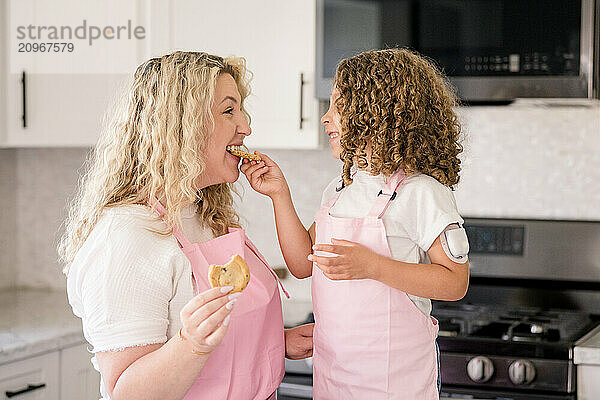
pixel 531 162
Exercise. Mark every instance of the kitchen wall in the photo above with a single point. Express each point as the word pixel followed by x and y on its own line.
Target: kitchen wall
pixel 524 160
pixel 8 220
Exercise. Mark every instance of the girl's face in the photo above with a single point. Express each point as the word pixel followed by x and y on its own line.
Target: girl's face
pixel 231 127
pixel 333 126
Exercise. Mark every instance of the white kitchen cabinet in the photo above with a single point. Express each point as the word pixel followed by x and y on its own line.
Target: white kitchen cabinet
pixel 277 38
pixel 78 378
pixel 3 70
pixel 65 374
pixel 31 379
pixel 59 109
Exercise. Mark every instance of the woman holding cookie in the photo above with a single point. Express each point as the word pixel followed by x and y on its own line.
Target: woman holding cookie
pixel 153 214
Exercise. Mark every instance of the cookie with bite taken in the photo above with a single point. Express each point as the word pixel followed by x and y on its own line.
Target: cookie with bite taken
pixel 243 152
pixel 235 273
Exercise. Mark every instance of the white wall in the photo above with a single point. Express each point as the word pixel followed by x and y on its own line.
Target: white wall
pixel 519 161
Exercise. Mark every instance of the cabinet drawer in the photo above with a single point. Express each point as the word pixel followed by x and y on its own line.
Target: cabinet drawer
pixel 31 379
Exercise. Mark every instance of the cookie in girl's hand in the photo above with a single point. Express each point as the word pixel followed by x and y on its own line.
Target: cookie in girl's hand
pixel 235 273
pixel 243 152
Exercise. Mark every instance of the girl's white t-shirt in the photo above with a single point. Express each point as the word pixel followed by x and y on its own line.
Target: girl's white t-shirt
pixel 422 209
pixel 127 283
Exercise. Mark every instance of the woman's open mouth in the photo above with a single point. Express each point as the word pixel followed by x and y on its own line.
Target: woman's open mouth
pixel 236 148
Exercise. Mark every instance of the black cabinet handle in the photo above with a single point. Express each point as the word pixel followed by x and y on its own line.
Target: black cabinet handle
pixel 302 82
pixel 24 91
pixel 29 388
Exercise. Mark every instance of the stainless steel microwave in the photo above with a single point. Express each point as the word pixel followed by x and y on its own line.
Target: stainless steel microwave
pixel 491 50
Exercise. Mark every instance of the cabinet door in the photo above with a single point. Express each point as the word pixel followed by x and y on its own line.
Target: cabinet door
pixel 78 378
pixel 35 378
pixel 277 38
pixel 59 98
pixel 59 110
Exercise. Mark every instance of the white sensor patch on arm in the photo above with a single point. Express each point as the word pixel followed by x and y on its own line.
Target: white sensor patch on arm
pixel 455 243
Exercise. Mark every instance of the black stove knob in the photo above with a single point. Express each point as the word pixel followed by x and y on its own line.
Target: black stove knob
pixel 521 372
pixel 480 369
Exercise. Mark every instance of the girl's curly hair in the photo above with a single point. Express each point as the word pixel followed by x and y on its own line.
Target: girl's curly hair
pixel 397 105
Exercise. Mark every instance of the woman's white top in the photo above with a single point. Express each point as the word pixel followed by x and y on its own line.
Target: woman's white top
pixel 422 209
pixel 127 283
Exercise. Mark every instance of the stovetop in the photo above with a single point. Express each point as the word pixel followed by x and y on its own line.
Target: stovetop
pixel 526 331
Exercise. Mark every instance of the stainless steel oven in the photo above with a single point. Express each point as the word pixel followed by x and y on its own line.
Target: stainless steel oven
pixel 297 383
pixel 492 50
pixel 534 292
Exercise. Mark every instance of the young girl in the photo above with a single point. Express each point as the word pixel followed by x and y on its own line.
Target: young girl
pixel 387 237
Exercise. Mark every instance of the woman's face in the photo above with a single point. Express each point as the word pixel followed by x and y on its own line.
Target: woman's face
pixel 231 127
pixel 333 126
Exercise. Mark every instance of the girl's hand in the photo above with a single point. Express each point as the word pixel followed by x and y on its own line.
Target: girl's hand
pixel 206 316
pixel 352 260
pixel 265 176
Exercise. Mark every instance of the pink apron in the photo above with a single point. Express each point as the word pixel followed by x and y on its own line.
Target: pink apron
pixel 249 362
pixel 370 340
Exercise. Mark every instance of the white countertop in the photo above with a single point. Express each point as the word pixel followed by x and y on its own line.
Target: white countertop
pixel 587 349
pixel 35 322
pixel 39 321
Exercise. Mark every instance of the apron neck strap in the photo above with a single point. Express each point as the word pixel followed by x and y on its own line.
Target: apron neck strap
pixel 338 192
pixel 387 194
pixel 181 239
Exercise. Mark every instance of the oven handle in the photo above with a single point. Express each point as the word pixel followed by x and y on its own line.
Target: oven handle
pixel 454 398
pixel 296 390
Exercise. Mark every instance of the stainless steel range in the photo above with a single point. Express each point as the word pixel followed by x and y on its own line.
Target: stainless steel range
pixel 496 352
pixel 534 291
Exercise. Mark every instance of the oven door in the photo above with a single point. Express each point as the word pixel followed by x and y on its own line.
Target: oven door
pixel 295 387
pixel 453 393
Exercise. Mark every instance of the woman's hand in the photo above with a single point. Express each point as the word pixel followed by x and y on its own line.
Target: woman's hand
pixel 265 176
pixel 299 342
pixel 205 318
pixel 351 261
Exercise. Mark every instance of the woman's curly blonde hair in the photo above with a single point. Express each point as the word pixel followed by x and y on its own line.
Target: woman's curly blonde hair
pixel 397 105
pixel 154 147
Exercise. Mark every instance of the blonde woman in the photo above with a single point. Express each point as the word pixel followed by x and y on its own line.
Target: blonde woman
pixel 154 210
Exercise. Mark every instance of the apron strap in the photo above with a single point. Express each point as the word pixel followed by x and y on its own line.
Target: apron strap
pixel 181 239
pixel 387 194
pixel 338 193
